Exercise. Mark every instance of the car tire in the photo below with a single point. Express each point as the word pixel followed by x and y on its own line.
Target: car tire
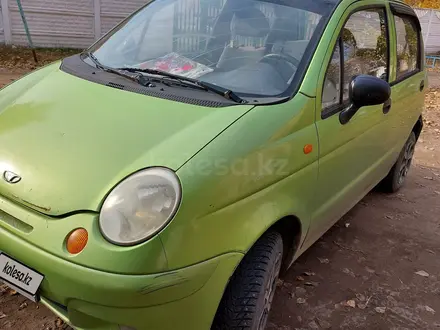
pixel 397 176
pixel 248 296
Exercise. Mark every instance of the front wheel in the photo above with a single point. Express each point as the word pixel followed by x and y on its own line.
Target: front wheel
pixel 397 176
pixel 248 297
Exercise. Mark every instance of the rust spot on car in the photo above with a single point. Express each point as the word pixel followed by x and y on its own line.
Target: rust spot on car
pixel 42 208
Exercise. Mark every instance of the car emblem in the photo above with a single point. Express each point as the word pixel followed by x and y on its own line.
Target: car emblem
pixel 11 177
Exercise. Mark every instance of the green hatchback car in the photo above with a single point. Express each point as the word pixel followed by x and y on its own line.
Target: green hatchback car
pixel 163 178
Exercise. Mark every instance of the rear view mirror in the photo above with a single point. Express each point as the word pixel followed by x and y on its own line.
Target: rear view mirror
pixel 365 91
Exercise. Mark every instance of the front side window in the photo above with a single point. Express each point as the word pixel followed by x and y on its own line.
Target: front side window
pixel 365 50
pixel 365 46
pixel 248 46
pixel 407 46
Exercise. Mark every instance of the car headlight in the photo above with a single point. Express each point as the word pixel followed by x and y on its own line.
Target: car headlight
pixel 140 206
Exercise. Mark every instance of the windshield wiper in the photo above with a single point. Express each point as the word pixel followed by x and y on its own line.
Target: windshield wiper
pixel 114 71
pixel 226 93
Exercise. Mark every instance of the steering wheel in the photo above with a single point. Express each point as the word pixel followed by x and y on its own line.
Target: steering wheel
pixel 284 57
pixel 129 49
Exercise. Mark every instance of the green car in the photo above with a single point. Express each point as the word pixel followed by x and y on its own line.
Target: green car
pixel 164 178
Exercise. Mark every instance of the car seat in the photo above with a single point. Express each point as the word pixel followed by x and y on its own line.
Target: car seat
pixel 249 30
pixel 284 38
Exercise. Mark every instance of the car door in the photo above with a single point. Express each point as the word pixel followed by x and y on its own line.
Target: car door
pixel 351 155
pixel 408 78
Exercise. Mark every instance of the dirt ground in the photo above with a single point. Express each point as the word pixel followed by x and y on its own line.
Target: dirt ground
pixel 377 268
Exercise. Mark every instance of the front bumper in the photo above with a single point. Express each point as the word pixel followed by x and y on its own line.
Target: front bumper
pixel 91 299
pixel 194 312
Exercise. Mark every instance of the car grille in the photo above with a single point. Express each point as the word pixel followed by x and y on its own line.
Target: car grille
pixel 15 223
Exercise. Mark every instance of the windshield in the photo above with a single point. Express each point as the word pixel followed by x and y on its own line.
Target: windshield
pixel 247 46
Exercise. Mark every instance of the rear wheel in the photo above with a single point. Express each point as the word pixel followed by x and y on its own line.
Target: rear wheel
pixel 397 176
pixel 248 297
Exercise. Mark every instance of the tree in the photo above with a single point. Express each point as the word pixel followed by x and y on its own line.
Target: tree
pixel 424 3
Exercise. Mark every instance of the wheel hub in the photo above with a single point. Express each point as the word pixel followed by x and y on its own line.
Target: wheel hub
pixel 406 161
pixel 269 293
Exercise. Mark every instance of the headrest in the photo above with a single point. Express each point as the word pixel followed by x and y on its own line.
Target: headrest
pixel 250 22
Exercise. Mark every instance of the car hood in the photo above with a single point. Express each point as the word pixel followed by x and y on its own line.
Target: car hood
pixel 72 141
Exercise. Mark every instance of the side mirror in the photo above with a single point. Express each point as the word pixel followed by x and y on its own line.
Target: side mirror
pixel 365 91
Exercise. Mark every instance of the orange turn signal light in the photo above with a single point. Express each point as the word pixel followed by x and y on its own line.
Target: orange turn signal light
pixel 308 148
pixel 77 240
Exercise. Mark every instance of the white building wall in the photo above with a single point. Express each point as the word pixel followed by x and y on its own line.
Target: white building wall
pixel 64 23
pixel 54 23
pixel 2 29
pixel 112 12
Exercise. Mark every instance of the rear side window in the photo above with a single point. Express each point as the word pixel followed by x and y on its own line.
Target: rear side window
pixel 408 44
pixel 362 48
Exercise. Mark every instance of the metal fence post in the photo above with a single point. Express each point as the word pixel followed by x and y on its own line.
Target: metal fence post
pixel 26 29
pixel 6 21
pixel 97 13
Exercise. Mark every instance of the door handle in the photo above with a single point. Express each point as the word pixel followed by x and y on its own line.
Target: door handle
pixel 387 106
pixel 422 85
